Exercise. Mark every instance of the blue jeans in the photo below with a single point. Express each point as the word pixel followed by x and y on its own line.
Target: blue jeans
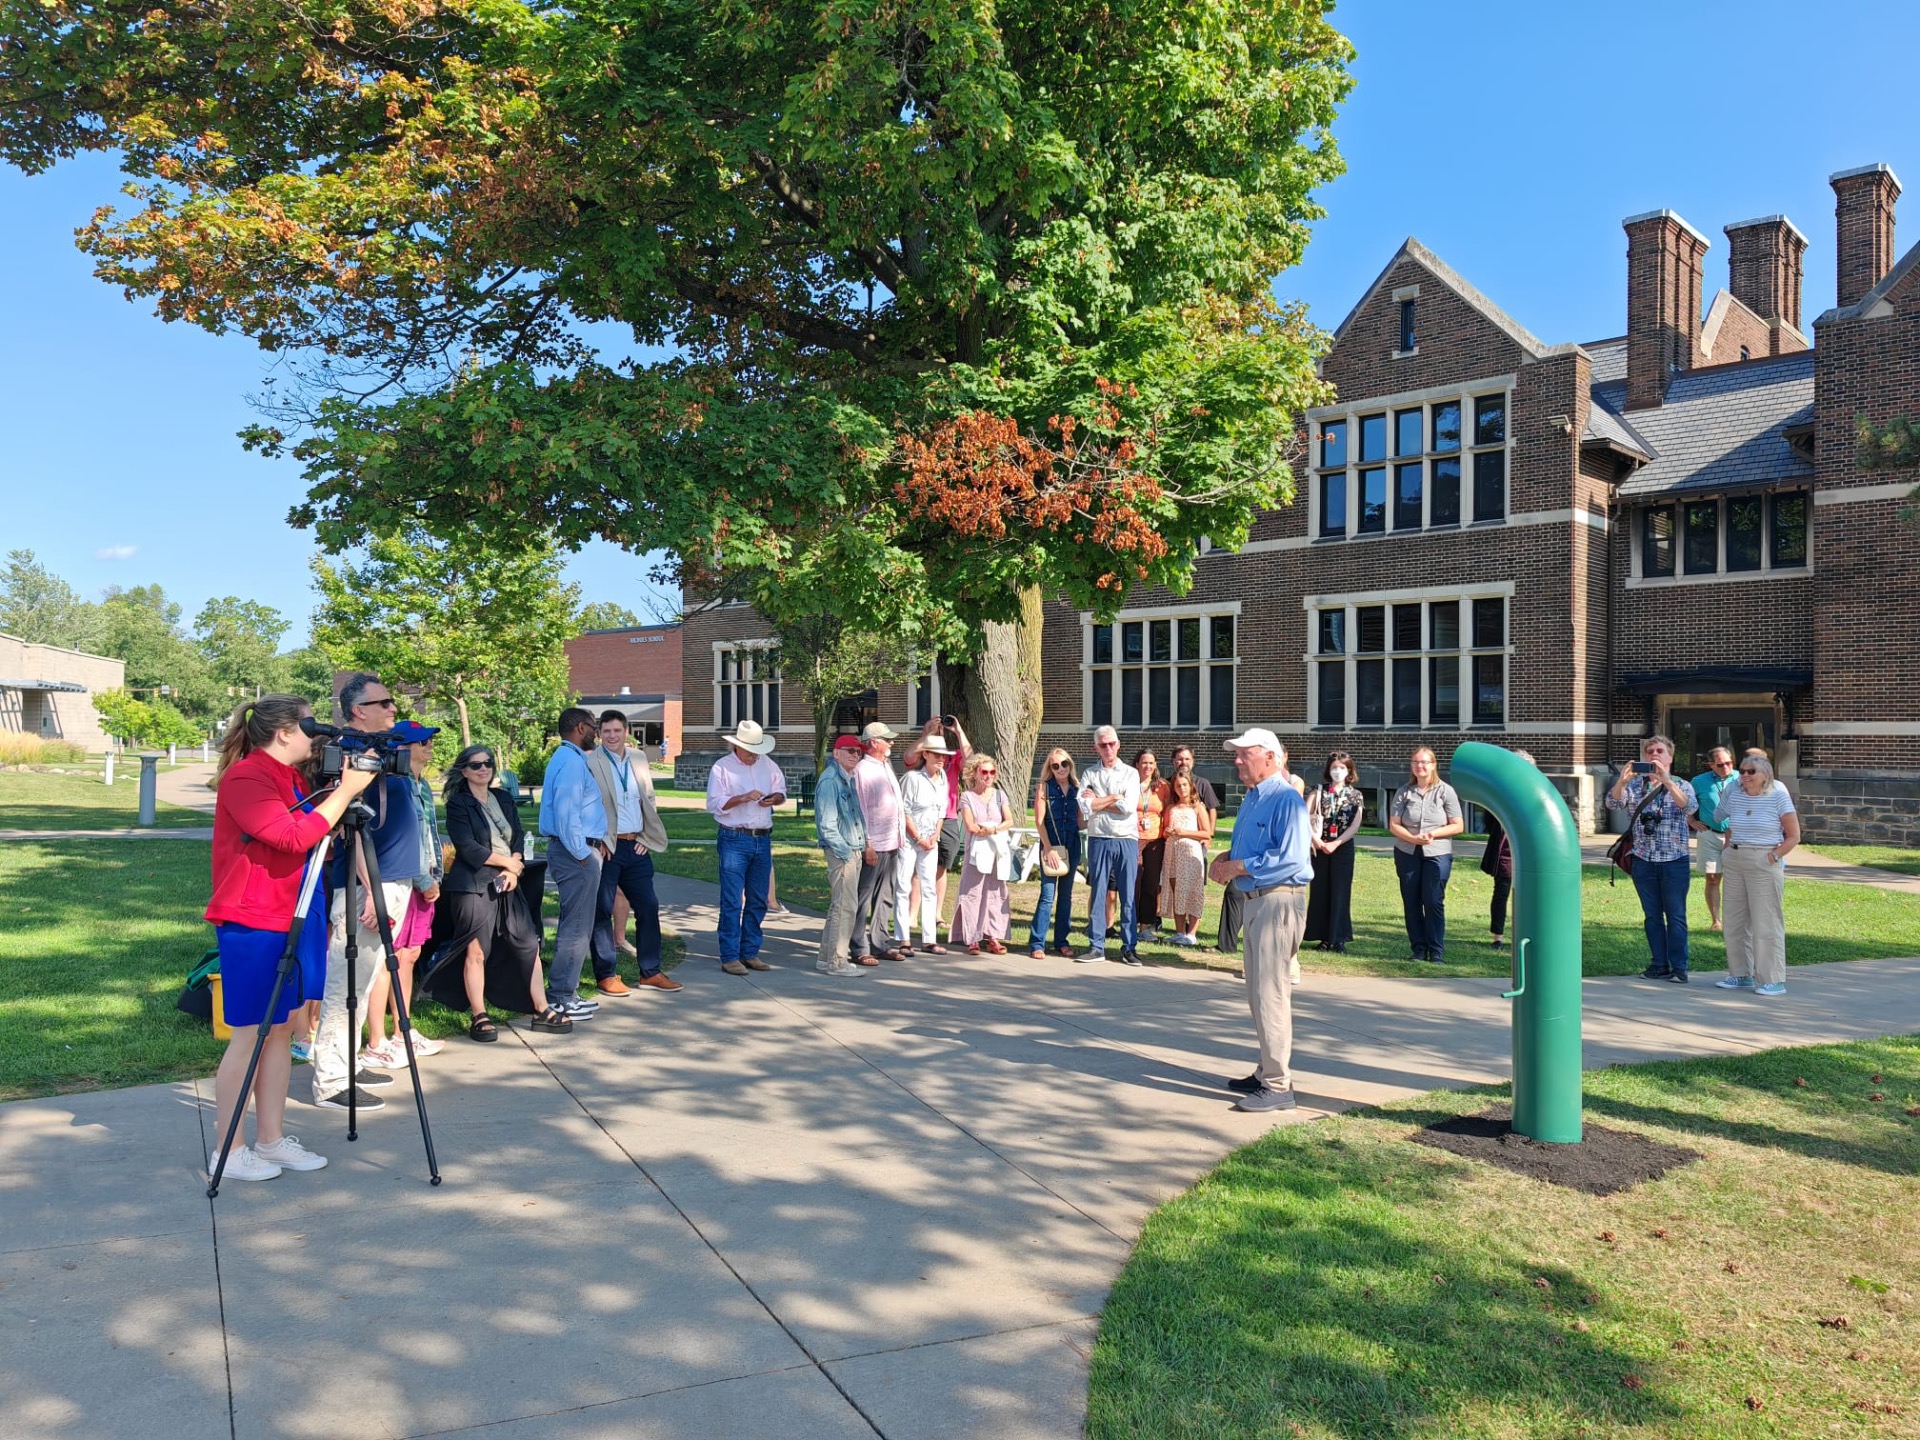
pixel 627 872
pixel 1663 897
pixel 746 868
pixel 1423 899
pixel 1058 888
pixel 1112 864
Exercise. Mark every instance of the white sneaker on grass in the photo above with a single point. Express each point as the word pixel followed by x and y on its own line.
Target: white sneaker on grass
pixel 243 1164
pixel 289 1154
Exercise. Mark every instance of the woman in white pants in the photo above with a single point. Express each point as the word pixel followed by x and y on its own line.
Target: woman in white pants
pixel 1762 830
pixel 923 805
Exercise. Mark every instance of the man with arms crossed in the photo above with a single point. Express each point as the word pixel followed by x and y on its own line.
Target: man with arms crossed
pixel 1109 813
pixel 1709 826
pixel 634 832
pixel 1270 864
pixel 842 831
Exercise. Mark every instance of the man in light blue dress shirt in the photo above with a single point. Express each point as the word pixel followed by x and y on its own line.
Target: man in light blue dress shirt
pixel 1270 864
pixel 574 821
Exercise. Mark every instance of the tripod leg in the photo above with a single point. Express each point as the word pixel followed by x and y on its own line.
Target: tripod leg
pixel 385 922
pixel 350 913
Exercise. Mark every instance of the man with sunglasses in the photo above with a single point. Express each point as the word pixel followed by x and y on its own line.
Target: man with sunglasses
pixel 1109 812
pixel 1708 825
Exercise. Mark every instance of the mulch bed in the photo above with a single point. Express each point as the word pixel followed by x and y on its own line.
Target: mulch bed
pixel 1605 1161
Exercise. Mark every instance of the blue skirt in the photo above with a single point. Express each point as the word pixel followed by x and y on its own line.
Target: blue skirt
pixel 250 959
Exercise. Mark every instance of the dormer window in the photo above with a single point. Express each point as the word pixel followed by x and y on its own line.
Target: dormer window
pixel 1408 340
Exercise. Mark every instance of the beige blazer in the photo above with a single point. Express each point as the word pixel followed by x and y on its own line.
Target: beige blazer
pixel 653 832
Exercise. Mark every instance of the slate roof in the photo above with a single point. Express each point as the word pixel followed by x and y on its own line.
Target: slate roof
pixel 1609 358
pixel 1603 424
pixel 1721 428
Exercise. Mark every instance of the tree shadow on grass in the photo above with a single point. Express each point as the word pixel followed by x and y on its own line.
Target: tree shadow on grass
pixel 1307 1280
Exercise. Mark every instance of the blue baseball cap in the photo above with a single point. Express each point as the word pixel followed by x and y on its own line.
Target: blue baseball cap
pixel 412 732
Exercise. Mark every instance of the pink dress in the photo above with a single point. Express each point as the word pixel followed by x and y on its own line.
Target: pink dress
pixel 985 911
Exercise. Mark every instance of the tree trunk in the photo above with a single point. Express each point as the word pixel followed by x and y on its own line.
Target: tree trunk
pixel 823 711
pixel 466 730
pixel 1003 694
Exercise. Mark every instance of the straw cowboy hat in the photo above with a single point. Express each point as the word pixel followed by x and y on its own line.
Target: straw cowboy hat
pixel 750 737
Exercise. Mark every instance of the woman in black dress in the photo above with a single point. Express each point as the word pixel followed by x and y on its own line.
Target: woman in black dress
pixel 487 951
pixel 1334 811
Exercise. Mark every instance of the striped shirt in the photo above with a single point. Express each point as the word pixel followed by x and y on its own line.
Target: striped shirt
pixel 1755 819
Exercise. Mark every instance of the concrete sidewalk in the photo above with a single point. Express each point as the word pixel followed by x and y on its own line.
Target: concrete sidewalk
pixel 784 1206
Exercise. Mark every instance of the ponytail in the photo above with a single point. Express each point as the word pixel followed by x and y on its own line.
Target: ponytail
pixel 255 724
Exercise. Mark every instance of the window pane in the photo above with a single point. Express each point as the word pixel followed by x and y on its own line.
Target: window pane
pixel 1333 504
pixel 1490 420
pixel 1656 540
pixel 1370 692
pixel 726 707
pixel 1373 437
pixel 1445 699
pixel 1743 533
pixel 1446 425
pixel 1222 637
pixel 1406 692
pixel 1445 506
pixel 1160 640
pixel 1160 697
pixel 1190 639
pixel 757 694
pixel 1131 640
pixel 923 700
pixel 1409 432
pixel 773 707
pixel 728 660
pixel 1789 530
pixel 1443 624
pixel 1103 697
pixel 1186 694
pixel 1406 627
pixel 1489 689
pixel 1220 698
pixel 1103 644
pixel 1332 707
pixel 1406 496
pixel 1703 537
pixel 1490 485
pixel 1373 501
pixel 1489 624
pixel 1333 632
pixel 1333 443
pixel 1371 621
pixel 1130 699
pixel 1408 337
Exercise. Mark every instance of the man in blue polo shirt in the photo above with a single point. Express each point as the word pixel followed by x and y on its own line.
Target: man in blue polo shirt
pixel 1270 865
pixel 1709 826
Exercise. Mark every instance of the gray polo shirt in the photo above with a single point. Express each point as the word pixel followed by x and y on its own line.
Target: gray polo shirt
pixel 1122 822
pixel 1417 811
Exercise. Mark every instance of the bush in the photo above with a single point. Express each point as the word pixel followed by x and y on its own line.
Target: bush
pixel 531 768
pixel 19 749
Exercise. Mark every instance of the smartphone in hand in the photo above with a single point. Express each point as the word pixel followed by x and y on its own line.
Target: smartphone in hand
pixel 1643 767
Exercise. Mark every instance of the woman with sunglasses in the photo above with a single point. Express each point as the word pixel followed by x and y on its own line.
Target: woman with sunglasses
pixel 1056 814
pixel 983 914
pixel 488 951
pixel 1658 807
pixel 1762 830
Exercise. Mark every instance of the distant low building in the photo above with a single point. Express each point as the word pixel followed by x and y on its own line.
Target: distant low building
pixel 48 691
pixel 637 671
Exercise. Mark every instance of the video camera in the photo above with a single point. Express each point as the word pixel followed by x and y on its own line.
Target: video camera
pixel 382 751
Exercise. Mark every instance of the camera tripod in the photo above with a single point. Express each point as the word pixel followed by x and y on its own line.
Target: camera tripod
pixel 358 853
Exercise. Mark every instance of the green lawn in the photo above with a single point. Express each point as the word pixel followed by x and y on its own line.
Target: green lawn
pixel 1335 1282
pixel 30 800
pixel 1880 857
pixel 96 939
pixel 1825 921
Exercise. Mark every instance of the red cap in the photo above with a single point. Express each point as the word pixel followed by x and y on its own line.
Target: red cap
pixel 849 742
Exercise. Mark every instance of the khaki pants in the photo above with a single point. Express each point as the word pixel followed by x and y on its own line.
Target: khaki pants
pixel 336 1041
pixel 843 878
pixel 1274 924
pixel 1751 909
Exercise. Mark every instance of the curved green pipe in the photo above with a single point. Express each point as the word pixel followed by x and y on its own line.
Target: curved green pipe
pixel 1546 935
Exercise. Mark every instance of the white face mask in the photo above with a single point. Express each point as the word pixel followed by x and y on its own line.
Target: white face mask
pixel 1337 775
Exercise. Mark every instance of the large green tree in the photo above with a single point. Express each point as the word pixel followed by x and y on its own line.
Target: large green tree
pixel 38 606
pixel 970 302
pixel 141 626
pixel 241 642
pixel 477 629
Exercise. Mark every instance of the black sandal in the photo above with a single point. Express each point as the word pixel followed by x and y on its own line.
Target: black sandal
pixel 482 1028
pixel 553 1022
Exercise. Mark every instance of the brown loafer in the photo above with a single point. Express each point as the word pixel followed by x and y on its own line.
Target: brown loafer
pixel 733 967
pixel 756 964
pixel 612 985
pixel 659 981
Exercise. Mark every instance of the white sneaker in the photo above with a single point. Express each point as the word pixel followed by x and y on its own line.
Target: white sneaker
pixel 1293 973
pixel 389 1054
pixel 243 1164
pixel 839 967
pixel 423 1045
pixel 289 1154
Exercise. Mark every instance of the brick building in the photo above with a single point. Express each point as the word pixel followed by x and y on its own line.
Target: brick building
pixel 636 670
pixel 1557 547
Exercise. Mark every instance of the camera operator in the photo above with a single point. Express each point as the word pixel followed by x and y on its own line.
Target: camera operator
pixel 394 834
pixel 261 835
pixel 1658 807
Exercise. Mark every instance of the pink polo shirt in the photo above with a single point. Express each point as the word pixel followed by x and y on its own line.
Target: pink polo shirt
pixel 879 794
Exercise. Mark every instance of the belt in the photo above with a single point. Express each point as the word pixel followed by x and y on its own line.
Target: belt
pixel 1736 845
pixel 1269 889
pixel 748 829
pixel 635 837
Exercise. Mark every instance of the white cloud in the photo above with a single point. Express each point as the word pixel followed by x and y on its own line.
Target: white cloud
pixel 116 552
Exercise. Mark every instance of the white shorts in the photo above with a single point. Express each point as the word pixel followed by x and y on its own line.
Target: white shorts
pixel 1710 846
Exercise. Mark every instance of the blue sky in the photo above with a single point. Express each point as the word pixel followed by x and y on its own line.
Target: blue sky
pixel 1512 139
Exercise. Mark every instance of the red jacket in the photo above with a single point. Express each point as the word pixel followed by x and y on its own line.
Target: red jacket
pixel 260 842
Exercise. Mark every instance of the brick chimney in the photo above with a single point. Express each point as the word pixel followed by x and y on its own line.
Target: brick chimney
pixel 1763 271
pixel 1863 210
pixel 1665 261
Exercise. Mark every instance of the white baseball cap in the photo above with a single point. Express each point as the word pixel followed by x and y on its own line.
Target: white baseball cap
pixel 1257 739
pixel 879 730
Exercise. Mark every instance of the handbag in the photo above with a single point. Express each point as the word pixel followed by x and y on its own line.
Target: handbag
pixel 1053 859
pixel 1620 853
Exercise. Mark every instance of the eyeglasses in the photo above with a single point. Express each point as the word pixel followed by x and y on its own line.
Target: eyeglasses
pixel 1749 771
pixel 984 770
pixel 480 765
pixel 1063 764
pixel 386 700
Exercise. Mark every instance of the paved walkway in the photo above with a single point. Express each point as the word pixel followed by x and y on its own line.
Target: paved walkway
pixel 787 1206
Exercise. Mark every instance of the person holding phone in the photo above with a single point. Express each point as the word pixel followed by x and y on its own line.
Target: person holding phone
pixel 1659 807
pixel 744 788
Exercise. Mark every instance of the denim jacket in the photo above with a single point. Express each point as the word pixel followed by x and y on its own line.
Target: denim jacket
pixel 837 817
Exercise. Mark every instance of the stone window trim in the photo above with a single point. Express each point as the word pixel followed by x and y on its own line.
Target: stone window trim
pixel 1465 457
pixel 746 683
pixel 1638 579
pixel 1208 715
pixel 1464 652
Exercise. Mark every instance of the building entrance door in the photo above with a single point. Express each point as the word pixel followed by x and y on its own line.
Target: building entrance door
pixel 1696 732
